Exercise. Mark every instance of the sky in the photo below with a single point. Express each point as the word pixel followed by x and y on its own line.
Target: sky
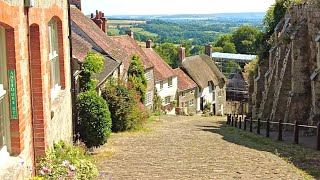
pixel 151 7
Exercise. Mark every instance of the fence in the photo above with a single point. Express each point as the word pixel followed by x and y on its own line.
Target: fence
pixel 236 121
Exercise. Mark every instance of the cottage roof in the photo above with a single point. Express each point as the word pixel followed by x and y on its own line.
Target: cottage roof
pixel 109 66
pixel 236 81
pixel 202 69
pixel 133 48
pixel 80 47
pixel 184 81
pixel 88 30
pixel 162 70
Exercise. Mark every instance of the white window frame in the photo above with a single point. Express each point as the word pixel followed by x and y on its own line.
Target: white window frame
pixel 4 102
pixel 148 75
pixel 165 100
pixel 191 102
pixel 54 58
pixel 161 85
pixel 148 98
pixel 170 84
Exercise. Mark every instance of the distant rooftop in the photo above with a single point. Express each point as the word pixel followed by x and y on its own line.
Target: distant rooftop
pixel 241 57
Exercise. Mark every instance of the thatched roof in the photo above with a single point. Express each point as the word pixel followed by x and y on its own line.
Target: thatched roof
pixel 202 70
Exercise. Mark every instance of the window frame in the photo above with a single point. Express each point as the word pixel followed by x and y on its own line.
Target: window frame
pixel 4 98
pixel 148 94
pixel 54 58
pixel 161 85
pixel 148 75
pixel 170 83
pixel 165 100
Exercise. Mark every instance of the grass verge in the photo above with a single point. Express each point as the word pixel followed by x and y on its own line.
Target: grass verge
pixel 304 161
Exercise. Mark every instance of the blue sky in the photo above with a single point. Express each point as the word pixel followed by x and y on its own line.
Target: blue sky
pixel 142 7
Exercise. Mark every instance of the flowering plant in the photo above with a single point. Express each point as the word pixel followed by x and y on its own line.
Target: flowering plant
pixel 64 162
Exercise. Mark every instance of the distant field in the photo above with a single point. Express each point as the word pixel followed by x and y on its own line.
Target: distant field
pixel 143 32
pixel 113 31
pixel 125 22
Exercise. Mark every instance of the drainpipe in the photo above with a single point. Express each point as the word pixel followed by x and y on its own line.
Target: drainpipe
pixel 73 84
pixel 31 85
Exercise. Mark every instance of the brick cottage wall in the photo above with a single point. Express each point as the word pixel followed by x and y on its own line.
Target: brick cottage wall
pixel 52 118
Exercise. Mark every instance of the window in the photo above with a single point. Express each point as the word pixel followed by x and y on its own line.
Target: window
pixel 148 98
pixel 4 105
pixel 167 100
pixel 191 102
pixel 161 85
pixel 54 58
pixel 192 92
pixel 182 94
pixel 148 75
pixel 170 82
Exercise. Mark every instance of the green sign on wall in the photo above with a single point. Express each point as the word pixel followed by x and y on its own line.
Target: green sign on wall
pixel 13 94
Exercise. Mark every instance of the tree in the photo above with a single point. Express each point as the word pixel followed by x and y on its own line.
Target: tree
pixel 137 77
pixel 244 38
pixel 229 47
pixel 197 50
pixel 169 53
pixel 223 39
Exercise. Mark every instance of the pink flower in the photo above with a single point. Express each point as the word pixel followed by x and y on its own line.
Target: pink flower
pixel 42 172
pixel 46 169
pixel 72 167
pixel 71 174
pixel 65 163
pixel 59 178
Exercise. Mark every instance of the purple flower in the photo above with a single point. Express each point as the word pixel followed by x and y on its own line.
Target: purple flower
pixel 42 172
pixel 65 163
pixel 72 167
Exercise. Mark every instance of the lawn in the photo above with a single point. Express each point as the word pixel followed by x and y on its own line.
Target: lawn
pixel 303 160
pixel 143 32
pixel 113 31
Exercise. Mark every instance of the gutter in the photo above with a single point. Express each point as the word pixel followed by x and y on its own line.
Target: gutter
pixel 72 90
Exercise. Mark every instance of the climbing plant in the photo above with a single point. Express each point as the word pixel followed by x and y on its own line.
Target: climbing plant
pixel 136 76
pixel 93 64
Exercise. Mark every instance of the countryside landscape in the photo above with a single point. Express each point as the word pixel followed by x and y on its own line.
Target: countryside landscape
pixel 146 90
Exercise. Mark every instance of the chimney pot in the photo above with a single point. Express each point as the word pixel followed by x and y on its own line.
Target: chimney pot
pixel 208 50
pixel 148 44
pixel 130 33
pixel 92 16
pixel 102 15
pixel 182 53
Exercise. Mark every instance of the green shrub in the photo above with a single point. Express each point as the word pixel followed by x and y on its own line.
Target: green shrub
pixel 93 64
pixel 94 119
pixel 66 162
pixel 126 112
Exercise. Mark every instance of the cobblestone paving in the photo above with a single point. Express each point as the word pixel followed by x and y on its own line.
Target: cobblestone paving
pixel 186 148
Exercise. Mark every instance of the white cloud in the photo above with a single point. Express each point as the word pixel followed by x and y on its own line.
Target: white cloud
pixel 135 7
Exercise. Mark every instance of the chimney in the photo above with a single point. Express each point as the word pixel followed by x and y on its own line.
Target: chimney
pixel 130 33
pixel 208 50
pixel 77 3
pixel 100 20
pixel 181 53
pixel 148 44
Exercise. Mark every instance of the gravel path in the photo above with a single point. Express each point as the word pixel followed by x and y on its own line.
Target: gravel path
pixel 187 148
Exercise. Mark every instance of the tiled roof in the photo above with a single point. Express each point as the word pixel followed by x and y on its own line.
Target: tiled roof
pixel 132 48
pixel 162 70
pixel 97 36
pixel 109 66
pixel 184 81
pixel 202 70
pixel 80 47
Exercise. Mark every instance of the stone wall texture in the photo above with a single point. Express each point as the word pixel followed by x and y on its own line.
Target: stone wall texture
pixel 291 90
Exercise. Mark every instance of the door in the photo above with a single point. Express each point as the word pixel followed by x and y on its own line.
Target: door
pixel 4 101
pixel 201 103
